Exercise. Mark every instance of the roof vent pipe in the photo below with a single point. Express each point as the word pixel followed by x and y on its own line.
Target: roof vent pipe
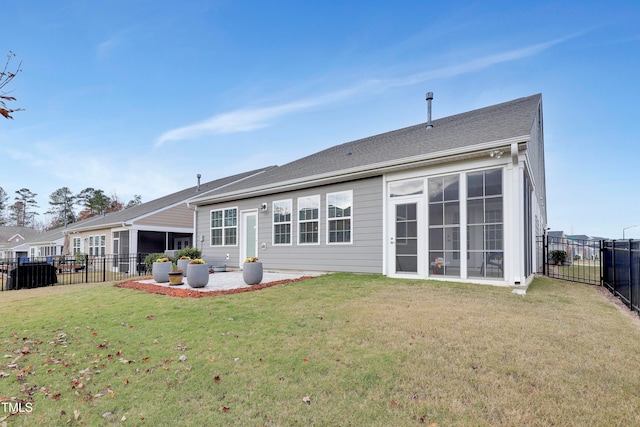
pixel 429 98
pixel 198 188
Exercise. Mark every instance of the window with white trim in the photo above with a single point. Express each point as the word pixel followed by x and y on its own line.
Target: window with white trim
pixel 224 227
pixel 339 216
pixel 98 245
pixel 282 210
pixel 76 245
pixel 308 219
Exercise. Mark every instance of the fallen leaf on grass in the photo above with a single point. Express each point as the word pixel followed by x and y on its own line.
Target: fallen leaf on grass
pixel 216 378
pixel 76 414
pixel 307 400
pixel 224 409
pixel 151 317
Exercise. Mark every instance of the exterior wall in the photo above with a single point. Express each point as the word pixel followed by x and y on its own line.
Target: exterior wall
pixel 535 159
pixel 176 217
pixel 84 239
pixel 363 255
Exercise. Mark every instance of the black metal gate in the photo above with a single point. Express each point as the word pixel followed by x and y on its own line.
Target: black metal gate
pixel 575 260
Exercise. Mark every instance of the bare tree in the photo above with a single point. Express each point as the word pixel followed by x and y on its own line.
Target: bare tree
pixel 6 75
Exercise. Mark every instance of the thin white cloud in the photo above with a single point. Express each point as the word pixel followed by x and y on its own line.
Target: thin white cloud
pixel 104 49
pixel 245 120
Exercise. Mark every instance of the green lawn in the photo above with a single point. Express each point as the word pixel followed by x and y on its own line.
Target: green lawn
pixel 343 349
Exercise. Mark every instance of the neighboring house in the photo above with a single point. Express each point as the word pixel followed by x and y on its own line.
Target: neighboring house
pixel 461 201
pixel 13 236
pixel 585 247
pixel 162 224
pixel 558 241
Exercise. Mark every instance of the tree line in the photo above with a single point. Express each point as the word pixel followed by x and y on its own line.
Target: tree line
pixel 65 207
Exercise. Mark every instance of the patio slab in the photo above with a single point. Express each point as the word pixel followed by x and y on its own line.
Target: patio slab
pixel 233 280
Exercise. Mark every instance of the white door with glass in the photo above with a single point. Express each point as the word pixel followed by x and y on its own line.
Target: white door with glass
pixel 249 239
pixel 406 248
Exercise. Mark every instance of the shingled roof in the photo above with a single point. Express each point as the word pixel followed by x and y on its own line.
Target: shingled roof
pixel 398 148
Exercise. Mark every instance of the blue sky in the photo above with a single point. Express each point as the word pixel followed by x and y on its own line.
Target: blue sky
pixel 138 97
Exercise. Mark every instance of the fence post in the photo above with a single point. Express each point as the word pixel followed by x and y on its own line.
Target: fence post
pixel 545 254
pixel 86 268
pixel 613 266
pixel 602 263
pixel 630 277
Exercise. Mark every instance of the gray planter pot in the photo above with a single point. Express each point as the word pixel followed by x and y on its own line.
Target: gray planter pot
pixel 252 272
pixel 161 271
pixel 182 265
pixel 198 275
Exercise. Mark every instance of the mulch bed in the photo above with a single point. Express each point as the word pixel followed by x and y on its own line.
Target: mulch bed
pixel 189 293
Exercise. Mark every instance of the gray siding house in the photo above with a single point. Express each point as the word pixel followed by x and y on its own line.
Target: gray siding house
pixel 161 224
pixel 461 200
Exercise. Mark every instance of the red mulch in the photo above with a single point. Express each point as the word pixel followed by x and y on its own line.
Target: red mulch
pixel 189 293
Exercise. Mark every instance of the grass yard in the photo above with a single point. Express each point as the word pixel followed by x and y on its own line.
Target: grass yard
pixel 349 350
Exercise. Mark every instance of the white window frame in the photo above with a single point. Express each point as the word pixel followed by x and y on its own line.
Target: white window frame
pixel 288 202
pixel 98 244
pixel 303 203
pixel 330 219
pixel 224 227
pixel 77 242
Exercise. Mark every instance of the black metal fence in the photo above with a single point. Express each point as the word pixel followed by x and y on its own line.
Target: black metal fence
pixel 571 259
pixel 22 273
pixel 621 272
pixel 614 264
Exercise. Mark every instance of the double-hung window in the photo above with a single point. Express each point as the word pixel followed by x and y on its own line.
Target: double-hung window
pixel 339 217
pixel 224 227
pixel 97 245
pixel 282 222
pixel 76 245
pixel 308 219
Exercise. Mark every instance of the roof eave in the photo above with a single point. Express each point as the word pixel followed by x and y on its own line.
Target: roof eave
pixel 446 156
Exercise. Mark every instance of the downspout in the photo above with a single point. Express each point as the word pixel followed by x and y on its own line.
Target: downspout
pixel 194 209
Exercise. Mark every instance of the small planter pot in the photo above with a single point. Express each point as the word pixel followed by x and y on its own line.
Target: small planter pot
pixel 160 271
pixel 183 265
pixel 198 275
pixel 175 277
pixel 252 272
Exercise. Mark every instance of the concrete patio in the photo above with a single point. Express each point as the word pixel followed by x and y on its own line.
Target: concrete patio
pixel 233 280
